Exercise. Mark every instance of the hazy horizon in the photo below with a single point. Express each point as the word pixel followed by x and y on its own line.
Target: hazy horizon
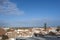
pixel 24 13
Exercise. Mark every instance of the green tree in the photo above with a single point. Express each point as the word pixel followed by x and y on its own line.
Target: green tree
pixel 4 37
pixel 58 28
pixel 51 33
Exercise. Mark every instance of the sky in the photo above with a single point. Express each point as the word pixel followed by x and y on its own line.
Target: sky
pixel 29 13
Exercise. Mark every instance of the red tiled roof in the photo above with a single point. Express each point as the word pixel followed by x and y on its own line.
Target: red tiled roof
pixel 2 31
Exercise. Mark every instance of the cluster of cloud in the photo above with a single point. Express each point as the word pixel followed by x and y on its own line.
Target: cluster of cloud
pixel 9 8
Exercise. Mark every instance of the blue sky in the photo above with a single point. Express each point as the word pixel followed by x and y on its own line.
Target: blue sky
pixel 30 12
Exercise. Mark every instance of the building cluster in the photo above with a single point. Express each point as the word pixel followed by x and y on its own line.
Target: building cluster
pixel 21 32
pixel 25 32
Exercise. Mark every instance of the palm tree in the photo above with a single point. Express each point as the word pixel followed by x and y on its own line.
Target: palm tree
pixel 45 26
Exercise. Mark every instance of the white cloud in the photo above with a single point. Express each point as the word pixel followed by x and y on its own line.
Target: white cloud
pixel 9 8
